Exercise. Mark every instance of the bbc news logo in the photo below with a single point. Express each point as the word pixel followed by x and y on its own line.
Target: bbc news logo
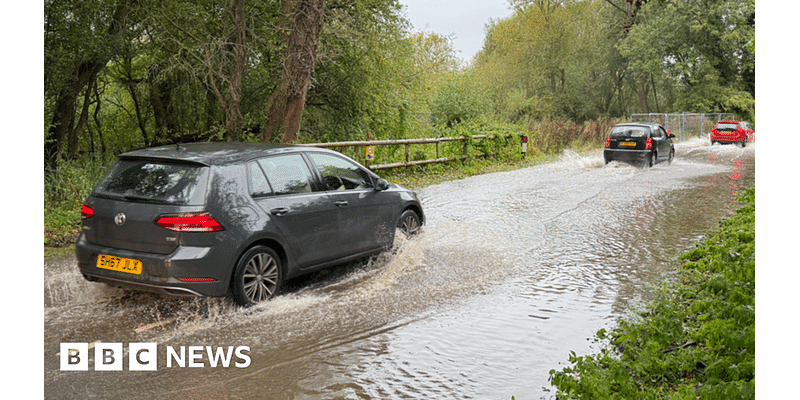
pixel 144 356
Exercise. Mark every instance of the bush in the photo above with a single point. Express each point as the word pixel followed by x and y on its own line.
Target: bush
pixel 65 188
pixel 460 99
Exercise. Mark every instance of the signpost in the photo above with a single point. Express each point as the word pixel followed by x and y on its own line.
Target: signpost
pixel 524 146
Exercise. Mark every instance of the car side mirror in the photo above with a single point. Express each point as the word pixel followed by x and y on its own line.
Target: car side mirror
pixel 671 136
pixel 382 185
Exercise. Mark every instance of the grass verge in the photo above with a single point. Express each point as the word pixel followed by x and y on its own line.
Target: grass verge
pixel 695 340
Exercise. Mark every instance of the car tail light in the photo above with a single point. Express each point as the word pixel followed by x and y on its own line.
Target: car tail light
pixel 191 222
pixel 608 143
pixel 86 211
pixel 649 144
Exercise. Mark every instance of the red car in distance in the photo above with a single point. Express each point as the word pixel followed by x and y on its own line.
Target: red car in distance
pixel 727 132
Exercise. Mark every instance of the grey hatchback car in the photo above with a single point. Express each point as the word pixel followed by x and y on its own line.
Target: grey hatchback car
pixel 235 219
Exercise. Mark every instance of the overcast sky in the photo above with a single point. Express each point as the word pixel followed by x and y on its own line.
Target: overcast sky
pixel 464 21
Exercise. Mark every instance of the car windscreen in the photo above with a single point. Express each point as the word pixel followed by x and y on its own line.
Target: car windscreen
pixel 628 132
pixel 727 127
pixel 155 182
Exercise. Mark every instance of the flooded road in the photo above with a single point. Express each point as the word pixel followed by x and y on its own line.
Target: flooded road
pixel 512 272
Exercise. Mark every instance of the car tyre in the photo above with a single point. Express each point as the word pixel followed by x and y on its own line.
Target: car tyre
pixel 409 223
pixel 258 276
pixel 671 156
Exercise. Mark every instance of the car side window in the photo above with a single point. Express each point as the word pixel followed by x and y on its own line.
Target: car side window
pixel 259 186
pixel 657 133
pixel 340 174
pixel 285 174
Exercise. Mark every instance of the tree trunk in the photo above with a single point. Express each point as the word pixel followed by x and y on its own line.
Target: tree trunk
pixel 160 92
pixel 97 122
pixel 641 88
pixel 286 104
pixel 631 9
pixel 72 141
pixel 63 134
pixel 234 118
pixel 130 83
pixel 62 129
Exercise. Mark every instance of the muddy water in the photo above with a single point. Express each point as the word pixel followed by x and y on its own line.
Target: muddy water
pixel 512 272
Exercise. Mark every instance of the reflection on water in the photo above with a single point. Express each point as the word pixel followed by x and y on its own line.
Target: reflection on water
pixel 513 271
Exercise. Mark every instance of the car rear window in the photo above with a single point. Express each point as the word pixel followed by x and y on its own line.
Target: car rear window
pixel 727 127
pixel 156 182
pixel 628 132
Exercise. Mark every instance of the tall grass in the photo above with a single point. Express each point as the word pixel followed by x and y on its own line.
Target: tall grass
pixel 554 135
pixel 65 188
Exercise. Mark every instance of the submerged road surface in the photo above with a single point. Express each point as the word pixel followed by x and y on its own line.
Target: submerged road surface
pixel 513 271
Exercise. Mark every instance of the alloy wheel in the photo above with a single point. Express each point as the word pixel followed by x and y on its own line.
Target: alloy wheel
pixel 260 277
pixel 409 222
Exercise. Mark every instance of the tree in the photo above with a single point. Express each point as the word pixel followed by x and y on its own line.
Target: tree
pixel 434 56
pixel 460 99
pixel 553 58
pixel 208 41
pixel 705 46
pixel 286 104
pixel 365 84
pixel 435 62
pixel 630 11
pixel 80 39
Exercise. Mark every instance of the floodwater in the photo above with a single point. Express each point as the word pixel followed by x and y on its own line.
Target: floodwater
pixel 513 271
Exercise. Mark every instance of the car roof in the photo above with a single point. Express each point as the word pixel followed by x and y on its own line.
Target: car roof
pixel 647 124
pixel 214 153
pixel 731 122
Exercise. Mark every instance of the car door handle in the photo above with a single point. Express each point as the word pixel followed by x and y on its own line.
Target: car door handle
pixel 279 211
pixel 340 203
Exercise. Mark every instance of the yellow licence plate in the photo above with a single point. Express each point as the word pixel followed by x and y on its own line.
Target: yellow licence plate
pixel 127 265
pixel 632 144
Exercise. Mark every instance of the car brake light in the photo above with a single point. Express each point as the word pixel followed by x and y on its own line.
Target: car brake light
pixel 191 222
pixel 86 212
pixel 608 143
pixel 649 144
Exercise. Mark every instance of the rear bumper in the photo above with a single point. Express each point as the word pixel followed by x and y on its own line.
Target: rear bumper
pixel 160 273
pixel 626 155
pixel 727 139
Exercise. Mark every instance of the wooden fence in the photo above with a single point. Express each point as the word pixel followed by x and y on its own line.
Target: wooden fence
pixel 407 143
